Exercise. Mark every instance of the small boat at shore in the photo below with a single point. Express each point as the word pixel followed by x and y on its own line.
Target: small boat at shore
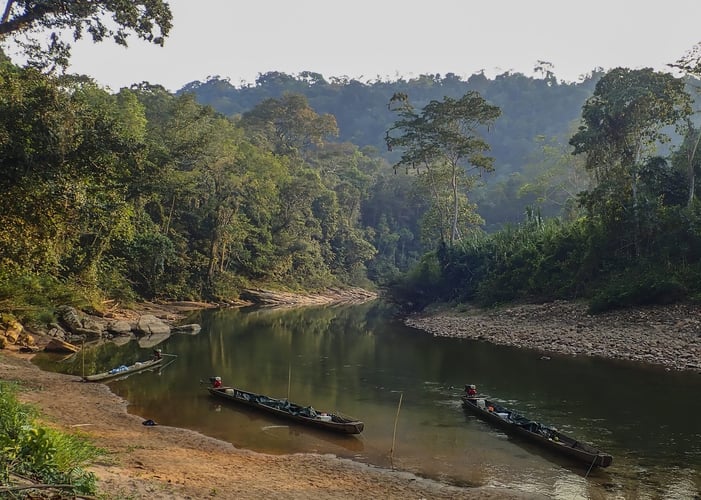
pixel 123 371
pixel 547 437
pixel 282 408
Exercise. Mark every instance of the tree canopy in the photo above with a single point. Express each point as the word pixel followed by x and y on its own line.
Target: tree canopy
pixel 40 28
pixel 144 194
pixel 445 133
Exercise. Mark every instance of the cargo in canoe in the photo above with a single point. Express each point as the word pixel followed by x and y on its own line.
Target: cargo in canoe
pixel 123 371
pixel 548 437
pixel 284 409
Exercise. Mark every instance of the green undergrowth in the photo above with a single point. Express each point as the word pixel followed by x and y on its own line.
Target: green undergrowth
pixel 40 454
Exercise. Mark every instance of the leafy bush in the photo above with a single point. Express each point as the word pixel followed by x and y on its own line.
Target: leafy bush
pixel 637 287
pixel 32 297
pixel 422 285
pixel 42 454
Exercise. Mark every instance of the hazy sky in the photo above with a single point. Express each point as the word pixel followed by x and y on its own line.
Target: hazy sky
pixel 389 38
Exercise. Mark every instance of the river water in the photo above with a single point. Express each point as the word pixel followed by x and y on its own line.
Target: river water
pixel 404 385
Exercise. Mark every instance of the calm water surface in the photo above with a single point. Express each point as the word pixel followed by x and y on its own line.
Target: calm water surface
pixel 361 361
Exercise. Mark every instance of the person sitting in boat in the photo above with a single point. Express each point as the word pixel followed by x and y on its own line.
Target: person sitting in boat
pixel 471 390
pixel 156 354
pixel 216 382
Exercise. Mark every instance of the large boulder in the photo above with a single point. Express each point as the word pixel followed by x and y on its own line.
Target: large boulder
pixel 13 331
pixel 120 327
pixel 27 340
pixel 70 318
pixel 57 331
pixel 151 325
pixel 94 324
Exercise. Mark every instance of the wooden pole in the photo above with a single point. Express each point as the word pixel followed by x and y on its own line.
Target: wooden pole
pixel 394 434
pixel 289 379
pixel 162 367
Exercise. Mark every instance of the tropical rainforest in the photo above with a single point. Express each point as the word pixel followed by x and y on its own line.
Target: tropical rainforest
pixel 435 188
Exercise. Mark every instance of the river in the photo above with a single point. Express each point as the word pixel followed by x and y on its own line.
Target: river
pixel 404 385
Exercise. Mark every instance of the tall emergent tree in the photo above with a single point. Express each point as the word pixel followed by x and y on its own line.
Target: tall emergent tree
pixel 444 140
pixel 624 123
pixel 690 64
pixel 288 125
pixel 39 27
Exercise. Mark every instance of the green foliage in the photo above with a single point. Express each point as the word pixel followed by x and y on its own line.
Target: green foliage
pixel 547 259
pixel 32 297
pixel 531 107
pixel 42 454
pixel 422 285
pixel 624 125
pixel 145 194
pixel 443 142
pixel 288 125
pixel 636 243
pixel 537 260
pixel 149 20
pixel 637 286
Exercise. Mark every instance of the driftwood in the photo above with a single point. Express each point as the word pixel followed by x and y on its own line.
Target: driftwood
pixel 27 483
pixel 58 345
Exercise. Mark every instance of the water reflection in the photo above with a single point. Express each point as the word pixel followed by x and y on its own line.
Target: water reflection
pixel 359 360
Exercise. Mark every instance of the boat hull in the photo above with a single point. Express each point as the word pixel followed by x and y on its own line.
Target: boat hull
pixel 283 409
pixel 135 368
pixel 534 432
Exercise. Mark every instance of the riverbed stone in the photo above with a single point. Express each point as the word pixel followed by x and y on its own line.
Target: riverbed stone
pixel 151 325
pixel 660 335
pixel 70 317
pixel 119 327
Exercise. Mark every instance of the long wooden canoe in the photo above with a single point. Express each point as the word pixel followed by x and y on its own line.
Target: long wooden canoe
pixel 548 437
pixel 284 409
pixel 139 366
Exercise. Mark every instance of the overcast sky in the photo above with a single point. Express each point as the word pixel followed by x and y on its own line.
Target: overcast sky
pixel 366 39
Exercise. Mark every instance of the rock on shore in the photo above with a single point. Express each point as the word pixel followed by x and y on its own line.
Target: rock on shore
pixel 669 336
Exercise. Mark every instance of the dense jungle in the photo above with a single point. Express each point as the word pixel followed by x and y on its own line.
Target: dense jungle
pixel 435 188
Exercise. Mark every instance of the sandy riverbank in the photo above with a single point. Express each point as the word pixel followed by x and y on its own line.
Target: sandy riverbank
pixel 667 336
pixel 169 463
pixel 164 462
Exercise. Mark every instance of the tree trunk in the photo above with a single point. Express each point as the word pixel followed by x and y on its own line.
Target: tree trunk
pixel 456 207
pixel 690 172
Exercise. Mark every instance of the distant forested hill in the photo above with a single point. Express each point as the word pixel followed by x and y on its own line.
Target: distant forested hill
pixel 531 107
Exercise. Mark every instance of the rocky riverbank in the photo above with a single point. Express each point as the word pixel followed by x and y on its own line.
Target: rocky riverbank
pixel 150 322
pixel 668 336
